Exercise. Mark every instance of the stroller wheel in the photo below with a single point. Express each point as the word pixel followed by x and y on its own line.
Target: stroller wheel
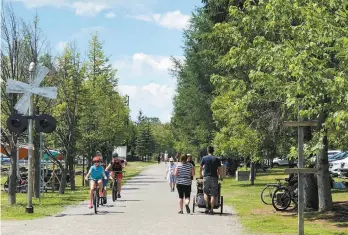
pixel 222 205
pixel 193 204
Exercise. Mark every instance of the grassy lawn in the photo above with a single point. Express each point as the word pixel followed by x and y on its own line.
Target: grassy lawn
pixel 259 218
pixel 53 203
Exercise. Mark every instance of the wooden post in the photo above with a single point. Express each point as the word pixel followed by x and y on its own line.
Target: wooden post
pixel 301 170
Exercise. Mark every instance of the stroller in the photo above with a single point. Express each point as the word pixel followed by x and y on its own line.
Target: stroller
pixel 198 200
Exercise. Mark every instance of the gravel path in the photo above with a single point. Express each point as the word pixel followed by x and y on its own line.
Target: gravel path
pixel 147 207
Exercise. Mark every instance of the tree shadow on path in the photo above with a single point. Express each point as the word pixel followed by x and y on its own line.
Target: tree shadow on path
pixel 91 213
pixel 129 200
pixel 216 213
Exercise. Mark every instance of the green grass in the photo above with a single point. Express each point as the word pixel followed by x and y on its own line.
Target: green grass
pixel 259 218
pixel 52 203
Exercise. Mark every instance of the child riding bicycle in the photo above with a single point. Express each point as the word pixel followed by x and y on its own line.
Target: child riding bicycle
pixel 105 182
pixel 116 168
pixel 97 175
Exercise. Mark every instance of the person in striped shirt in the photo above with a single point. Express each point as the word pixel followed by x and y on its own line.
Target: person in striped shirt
pixel 183 172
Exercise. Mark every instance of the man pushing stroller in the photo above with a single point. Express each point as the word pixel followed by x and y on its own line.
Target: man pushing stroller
pixel 211 167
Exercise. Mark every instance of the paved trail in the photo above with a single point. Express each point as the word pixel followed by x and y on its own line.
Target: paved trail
pixel 147 207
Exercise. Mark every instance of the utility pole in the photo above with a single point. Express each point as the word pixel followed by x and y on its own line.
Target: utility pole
pixel 300 177
pixel 38 165
pixel 127 96
pixel 301 170
pixel 30 208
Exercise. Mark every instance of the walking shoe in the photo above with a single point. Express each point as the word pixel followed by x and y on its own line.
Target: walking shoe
pixel 119 195
pixel 90 205
pixel 105 201
pixel 187 209
pixel 180 212
pixel 211 212
pixel 206 211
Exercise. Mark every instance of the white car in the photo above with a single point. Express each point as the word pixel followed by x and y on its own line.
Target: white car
pixel 280 161
pixel 331 153
pixel 334 166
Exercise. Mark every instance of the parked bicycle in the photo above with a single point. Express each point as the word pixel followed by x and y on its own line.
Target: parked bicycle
pixel 284 195
pixel 268 192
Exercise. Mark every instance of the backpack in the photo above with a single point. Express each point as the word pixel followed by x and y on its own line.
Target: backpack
pixel 117 165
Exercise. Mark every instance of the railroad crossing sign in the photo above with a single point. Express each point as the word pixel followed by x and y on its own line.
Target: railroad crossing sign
pixel 13 86
pixel 24 106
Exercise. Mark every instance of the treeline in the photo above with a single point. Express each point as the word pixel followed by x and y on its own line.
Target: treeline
pixel 91 115
pixel 251 65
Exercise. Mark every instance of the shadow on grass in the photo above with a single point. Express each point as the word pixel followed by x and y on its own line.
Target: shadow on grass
pixel 259 174
pixel 336 191
pixel 339 215
pixel 255 185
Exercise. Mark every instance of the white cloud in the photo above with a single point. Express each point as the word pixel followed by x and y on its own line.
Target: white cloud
pixel 61 46
pixel 153 99
pixel 170 20
pixel 146 80
pixel 141 63
pixel 110 15
pixel 156 62
pixel 79 35
pixel 41 3
pixel 89 8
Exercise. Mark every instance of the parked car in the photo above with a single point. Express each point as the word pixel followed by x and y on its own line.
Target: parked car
pixel 5 160
pixel 338 156
pixel 281 161
pixel 332 153
pixel 336 165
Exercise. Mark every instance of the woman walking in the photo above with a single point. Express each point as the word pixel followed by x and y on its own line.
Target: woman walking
pixel 170 174
pixel 184 172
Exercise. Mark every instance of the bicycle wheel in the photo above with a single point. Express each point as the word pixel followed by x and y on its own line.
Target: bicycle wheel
pixel 114 190
pixel 95 201
pixel 294 195
pixel 101 199
pixel 267 194
pixel 281 199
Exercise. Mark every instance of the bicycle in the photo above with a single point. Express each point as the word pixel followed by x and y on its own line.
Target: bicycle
pixel 114 185
pixel 97 200
pixel 268 192
pixel 283 196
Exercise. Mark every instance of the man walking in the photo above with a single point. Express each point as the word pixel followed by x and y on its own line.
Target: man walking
pixel 211 166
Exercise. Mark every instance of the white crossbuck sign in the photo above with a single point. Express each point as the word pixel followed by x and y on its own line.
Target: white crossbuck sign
pixel 13 86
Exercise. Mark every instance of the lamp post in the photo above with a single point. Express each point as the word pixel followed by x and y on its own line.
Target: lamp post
pixel 30 208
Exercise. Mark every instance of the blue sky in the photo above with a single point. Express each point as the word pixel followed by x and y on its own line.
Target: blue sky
pixel 138 35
